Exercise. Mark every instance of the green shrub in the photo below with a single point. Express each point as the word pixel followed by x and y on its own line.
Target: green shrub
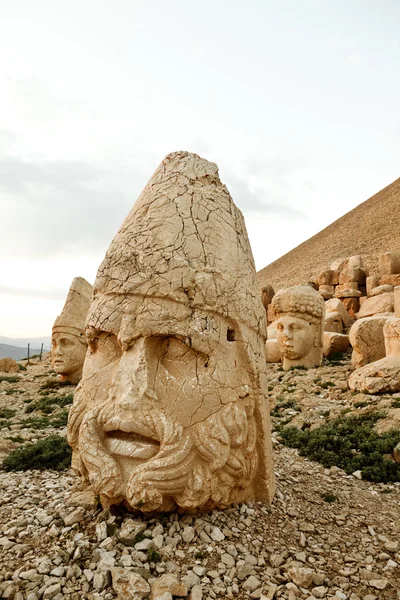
pixel 9 378
pixel 360 404
pixel 54 384
pixel 60 420
pixel 153 555
pixel 327 384
pixel 7 413
pixel 17 439
pixel 22 367
pixel 4 423
pixel 351 444
pixel 298 368
pixel 49 453
pixel 36 422
pixel 329 497
pixel 395 404
pixel 48 404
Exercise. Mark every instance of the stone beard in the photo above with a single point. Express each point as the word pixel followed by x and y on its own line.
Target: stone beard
pixel 68 354
pixel 165 411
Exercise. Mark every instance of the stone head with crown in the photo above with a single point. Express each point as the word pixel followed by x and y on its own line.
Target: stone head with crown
pixel 68 342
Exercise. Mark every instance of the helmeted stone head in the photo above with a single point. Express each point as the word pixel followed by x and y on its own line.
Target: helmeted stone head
pixel 172 410
pixel 68 342
pixel 300 310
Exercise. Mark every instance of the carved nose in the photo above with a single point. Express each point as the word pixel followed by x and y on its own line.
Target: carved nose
pixel 130 387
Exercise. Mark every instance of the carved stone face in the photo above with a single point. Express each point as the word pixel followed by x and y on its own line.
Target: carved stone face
pixel 295 337
pixel 170 410
pixel 67 356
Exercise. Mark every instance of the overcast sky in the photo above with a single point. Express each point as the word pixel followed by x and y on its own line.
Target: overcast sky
pixel 297 101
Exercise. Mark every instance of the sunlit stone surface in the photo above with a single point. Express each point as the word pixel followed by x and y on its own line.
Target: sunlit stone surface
pixel 172 407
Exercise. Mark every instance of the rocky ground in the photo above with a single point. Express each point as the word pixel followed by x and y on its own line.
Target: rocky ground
pixel 326 535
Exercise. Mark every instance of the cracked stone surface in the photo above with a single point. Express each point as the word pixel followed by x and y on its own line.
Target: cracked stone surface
pixel 366 338
pixel 68 343
pixel 172 407
pixel 382 375
pixel 300 310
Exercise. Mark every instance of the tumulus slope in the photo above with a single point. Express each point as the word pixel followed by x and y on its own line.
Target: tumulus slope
pixel 370 228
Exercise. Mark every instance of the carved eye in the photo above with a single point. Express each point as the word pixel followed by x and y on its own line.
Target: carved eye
pixel 103 342
pixel 230 335
pixel 174 349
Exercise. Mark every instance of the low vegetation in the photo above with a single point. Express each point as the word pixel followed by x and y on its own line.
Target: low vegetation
pixel 48 404
pixel 9 378
pixel 352 444
pixel 49 453
pixel 7 413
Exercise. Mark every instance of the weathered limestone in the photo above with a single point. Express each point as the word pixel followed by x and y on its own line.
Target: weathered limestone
pixel 381 289
pixel 300 310
pixel 371 282
pixel 389 263
pixel 68 343
pixel 396 296
pixel 336 306
pixel 272 351
pixel 267 293
pixel 333 322
pixel 172 407
pixel 381 304
pixel 348 290
pixel 390 279
pixel 351 270
pixel 327 291
pixel 335 343
pixel 352 305
pixel 327 277
pixel 8 365
pixel 366 338
pixel 382 375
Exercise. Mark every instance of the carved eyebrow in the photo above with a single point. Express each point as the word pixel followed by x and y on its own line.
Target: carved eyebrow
pixel 94 332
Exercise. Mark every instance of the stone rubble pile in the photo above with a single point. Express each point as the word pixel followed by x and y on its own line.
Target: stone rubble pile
pixel 300 547
pixel 362 294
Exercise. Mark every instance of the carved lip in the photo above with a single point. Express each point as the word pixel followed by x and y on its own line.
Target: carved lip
pixel 130 443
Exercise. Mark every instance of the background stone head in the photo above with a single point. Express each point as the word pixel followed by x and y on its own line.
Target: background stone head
pixel 300 310
pixel 68 345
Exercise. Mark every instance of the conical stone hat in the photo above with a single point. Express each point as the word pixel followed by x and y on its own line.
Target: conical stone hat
pixel 73 316
pixel 185 240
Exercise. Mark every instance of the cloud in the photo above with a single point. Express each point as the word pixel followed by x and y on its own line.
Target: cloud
pixel 355 59
pixel 62 207
pixel 263 188
pixel 7 139
pixel 48 294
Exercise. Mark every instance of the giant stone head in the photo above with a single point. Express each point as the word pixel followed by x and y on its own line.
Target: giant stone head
pixel 171 410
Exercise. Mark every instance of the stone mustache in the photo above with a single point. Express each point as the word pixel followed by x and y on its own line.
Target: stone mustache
pixel 172 407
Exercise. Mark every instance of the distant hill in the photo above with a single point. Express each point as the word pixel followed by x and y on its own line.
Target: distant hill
pixel 16 352
pixel 23 342
pixel 369 229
